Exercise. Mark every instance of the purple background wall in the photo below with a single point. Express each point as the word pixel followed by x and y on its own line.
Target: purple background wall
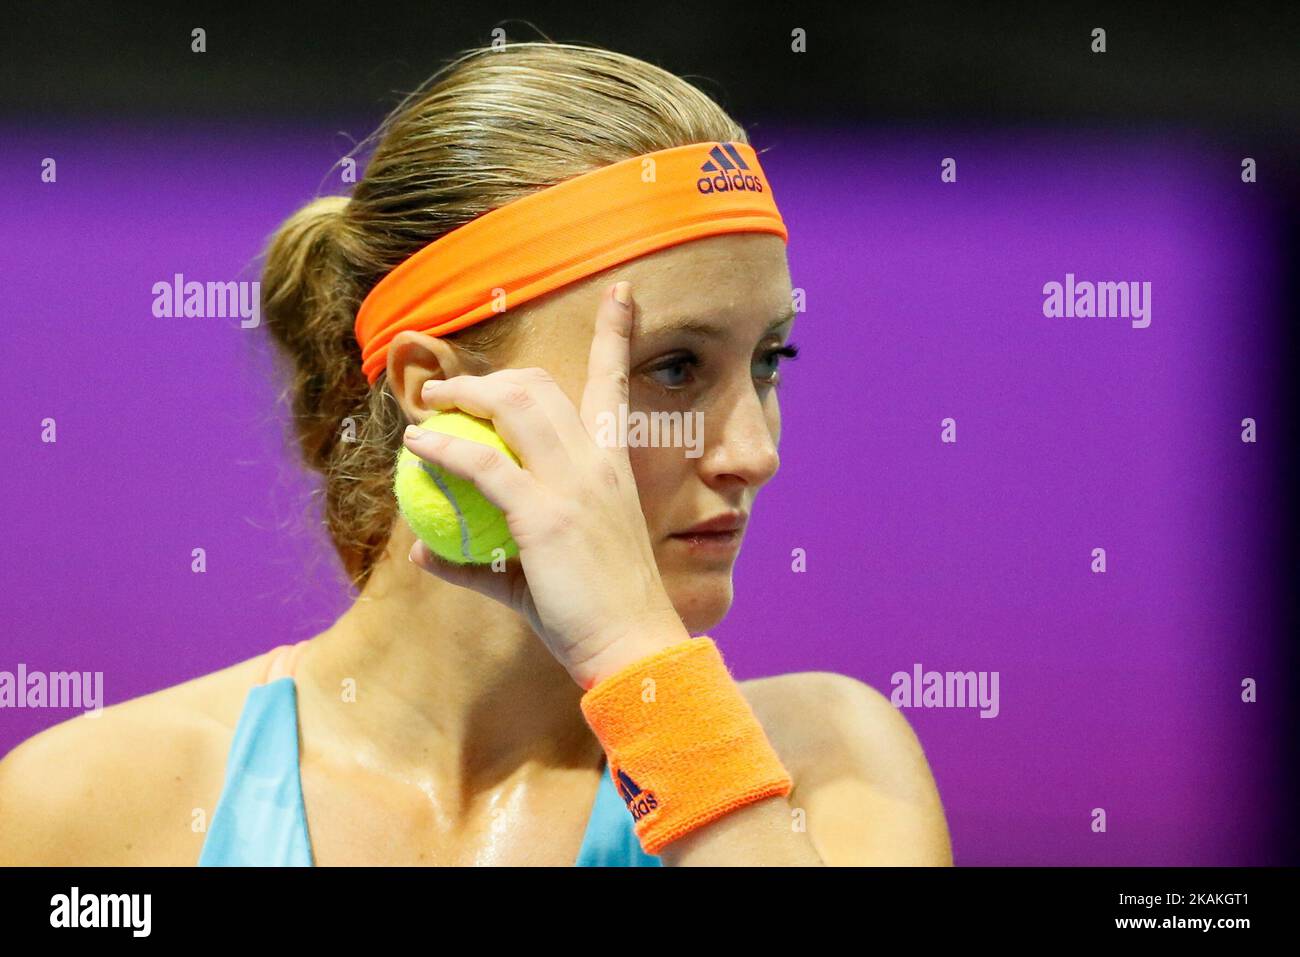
pixel 1119 691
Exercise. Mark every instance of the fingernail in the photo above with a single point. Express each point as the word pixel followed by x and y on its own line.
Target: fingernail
pixel 429 386
pixel 414 431
pixel 623 293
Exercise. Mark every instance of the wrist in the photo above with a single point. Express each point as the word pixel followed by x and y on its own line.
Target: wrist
pixel 687 752
pixel 627 651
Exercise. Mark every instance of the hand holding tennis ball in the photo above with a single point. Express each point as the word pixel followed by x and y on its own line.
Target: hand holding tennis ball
pixel 447 512
pixel 584 572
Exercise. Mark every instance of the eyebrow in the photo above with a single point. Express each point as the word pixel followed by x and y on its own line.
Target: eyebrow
pixel 703 329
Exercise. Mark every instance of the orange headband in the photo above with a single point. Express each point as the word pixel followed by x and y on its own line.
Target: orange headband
pixel 564 233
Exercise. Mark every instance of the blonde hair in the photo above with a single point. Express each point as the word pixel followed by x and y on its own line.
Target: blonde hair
pixel 491 126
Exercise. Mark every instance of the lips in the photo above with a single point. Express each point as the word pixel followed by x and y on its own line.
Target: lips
pixel 720 526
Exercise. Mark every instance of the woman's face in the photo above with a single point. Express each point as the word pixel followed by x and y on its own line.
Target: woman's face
pixel 710 316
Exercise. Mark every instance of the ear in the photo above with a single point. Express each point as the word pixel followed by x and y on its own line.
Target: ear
pixel 413 359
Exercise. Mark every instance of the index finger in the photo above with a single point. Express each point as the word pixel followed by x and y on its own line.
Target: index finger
pixel 611 349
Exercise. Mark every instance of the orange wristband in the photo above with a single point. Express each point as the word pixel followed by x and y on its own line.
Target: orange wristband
pixel 683 744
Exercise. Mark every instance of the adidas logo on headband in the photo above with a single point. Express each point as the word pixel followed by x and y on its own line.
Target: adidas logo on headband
pixel 639 802
pixel 731 172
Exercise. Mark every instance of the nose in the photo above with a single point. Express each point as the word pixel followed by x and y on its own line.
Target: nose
pixel 740 442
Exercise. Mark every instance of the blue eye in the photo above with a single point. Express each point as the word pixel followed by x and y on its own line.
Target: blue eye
pixel 678 362
pixel 683 362
pixel 773 357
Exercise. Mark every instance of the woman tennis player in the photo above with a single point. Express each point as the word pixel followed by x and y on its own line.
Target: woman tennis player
pixel 545 234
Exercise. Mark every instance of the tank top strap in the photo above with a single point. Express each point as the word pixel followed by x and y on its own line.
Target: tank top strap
pixel 260 819
pixel 282 661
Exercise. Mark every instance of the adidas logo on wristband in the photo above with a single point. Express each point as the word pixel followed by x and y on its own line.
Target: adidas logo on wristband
pixel 639 802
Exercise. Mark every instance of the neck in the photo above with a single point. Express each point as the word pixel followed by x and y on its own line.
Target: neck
pixel 450 687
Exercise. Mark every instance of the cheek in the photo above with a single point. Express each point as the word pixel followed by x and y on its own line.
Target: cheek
pixel 659 472
pixel 774 419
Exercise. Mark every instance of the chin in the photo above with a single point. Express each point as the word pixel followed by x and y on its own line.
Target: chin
pixel 702 598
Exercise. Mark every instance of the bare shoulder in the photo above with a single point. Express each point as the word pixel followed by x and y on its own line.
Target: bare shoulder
pixel 123 786
pixel 813 717
pixel 860 771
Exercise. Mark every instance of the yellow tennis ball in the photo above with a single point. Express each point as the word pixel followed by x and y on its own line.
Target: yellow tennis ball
pixel 448 513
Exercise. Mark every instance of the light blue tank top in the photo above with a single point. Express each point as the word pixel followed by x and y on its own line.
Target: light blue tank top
pixel 260 819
